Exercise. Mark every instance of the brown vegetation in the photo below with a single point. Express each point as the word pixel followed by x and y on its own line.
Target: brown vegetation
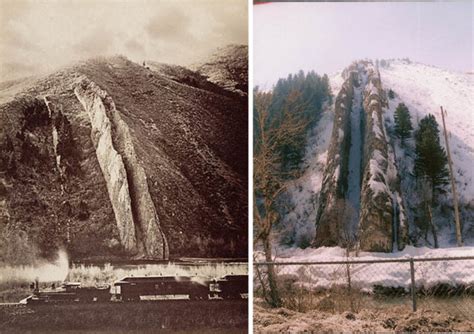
pixel 391 319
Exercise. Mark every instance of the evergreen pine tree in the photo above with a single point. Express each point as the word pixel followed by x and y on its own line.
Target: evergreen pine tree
pixel 431 161
pixel 327 87
pixel 391 94
pixel 430 168
pixel 303 95
pixel 403 125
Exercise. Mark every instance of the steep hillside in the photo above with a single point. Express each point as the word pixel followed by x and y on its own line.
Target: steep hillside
pixel 191 78
pixel 227 68
pixel 424 89
pixel 357 183
pixel 303 194
pixel 111 159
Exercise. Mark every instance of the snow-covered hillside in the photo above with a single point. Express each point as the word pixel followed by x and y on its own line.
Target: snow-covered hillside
pixel 303 193
pixel 299 221
pixel 424 89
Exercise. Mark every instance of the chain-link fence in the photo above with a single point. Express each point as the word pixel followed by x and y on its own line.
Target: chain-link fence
pixel 438 284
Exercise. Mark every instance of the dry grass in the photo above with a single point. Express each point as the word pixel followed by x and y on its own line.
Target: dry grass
pixel 396 319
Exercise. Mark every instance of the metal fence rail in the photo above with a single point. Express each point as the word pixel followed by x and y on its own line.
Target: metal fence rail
pixel 441 283
pixel 414 259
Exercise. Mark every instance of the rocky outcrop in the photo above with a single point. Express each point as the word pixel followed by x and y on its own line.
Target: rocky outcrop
pixel 189 141
pixel 376 215
pixel 382 220
pixel 383 223
pixel 185 76
pixel 4 214
pixel 112 167
pixel 334 186
pixel 54 115
pixel 400 217
pixel 127 185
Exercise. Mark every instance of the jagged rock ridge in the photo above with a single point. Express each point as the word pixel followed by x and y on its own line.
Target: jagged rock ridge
pixel 334 184
pixel 378 204
pixel 378 221
pixel 135 213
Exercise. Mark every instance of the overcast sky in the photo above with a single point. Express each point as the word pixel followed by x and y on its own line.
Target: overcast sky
pixel 327 36
pixel 43 34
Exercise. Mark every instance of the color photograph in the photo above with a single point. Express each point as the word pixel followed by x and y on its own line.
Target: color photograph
pixel 363 167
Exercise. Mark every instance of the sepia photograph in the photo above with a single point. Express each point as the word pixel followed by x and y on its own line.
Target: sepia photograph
pixel 363 125
pixel 124 166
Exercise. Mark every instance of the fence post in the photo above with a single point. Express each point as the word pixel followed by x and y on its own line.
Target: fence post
pixel 413 287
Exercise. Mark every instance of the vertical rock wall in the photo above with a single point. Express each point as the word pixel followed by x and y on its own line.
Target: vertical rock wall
pixel 381 212
pixel 111 164
pixel 127 185
pixel 383 223
pixel 328 227
pixel 377 210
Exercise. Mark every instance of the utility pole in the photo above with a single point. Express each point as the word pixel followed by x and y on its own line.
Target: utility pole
pixel 453 184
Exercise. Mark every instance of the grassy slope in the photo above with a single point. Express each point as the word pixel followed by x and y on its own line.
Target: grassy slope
pixel 191 141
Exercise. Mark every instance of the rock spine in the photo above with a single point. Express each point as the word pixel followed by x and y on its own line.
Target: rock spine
pixel 135 213
pixel 334 186
pixel 382 212
pixel 380 200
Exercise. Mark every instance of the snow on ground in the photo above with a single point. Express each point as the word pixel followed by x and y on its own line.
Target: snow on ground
pixel 336 81
pixel 365 276
pixel 424 89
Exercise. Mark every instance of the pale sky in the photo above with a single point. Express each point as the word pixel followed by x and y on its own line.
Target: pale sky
pixel 44 34
pixel 326 37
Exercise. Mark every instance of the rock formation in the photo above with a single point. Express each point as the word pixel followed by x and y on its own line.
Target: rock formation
pixel 127 185
pixel 381 214
pixel 334 187
pixel 376 216
pixel 110 159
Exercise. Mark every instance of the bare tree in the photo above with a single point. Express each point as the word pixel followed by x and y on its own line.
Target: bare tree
pixel 427 197
pixel 271 132
pixel 348 237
